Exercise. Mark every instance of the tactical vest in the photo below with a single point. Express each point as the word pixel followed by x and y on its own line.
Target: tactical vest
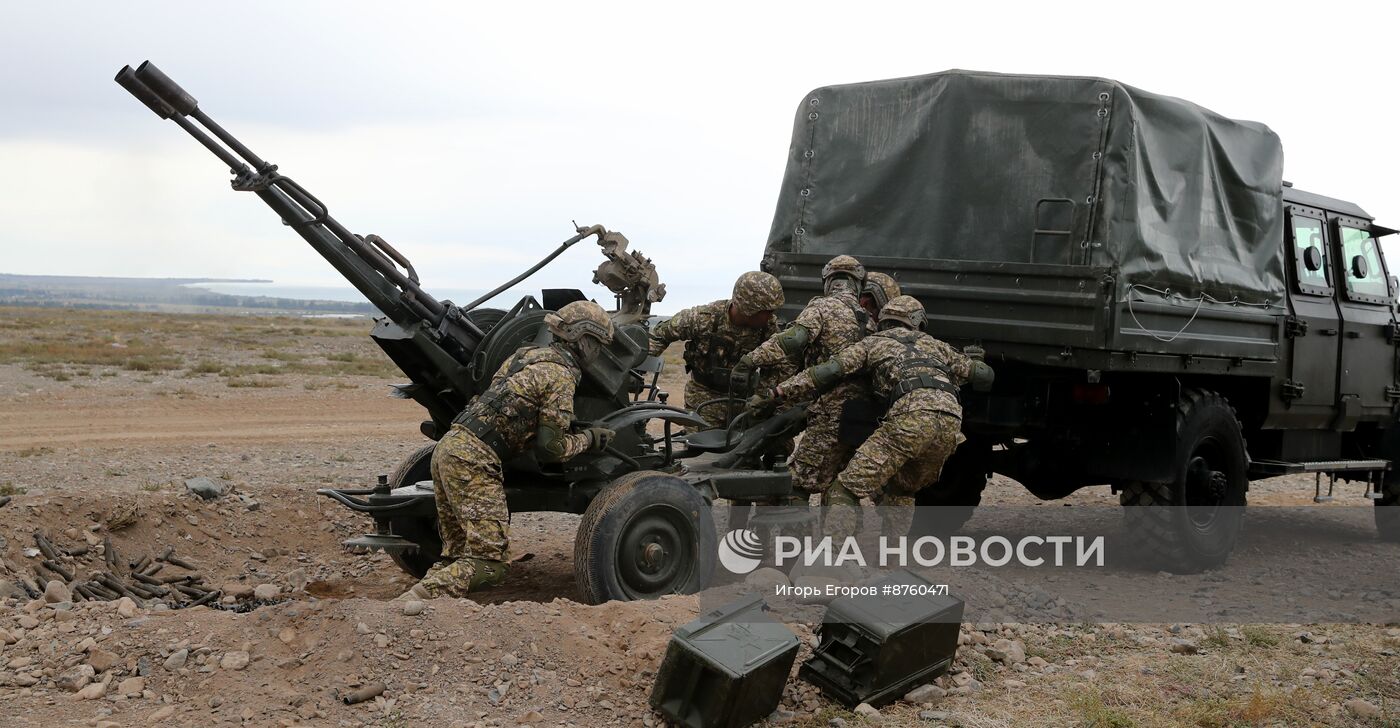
pixel 706 368
pixel 488 416
pixel 905 375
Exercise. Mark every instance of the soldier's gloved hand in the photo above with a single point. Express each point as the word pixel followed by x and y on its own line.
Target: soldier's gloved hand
pixel 599 438
pixel 975 352
pixel 742 371
pixel 982 376
pixel 742 379
pixel 763 403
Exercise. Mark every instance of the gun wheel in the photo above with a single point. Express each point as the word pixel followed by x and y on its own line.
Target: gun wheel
pixel 421 531
pixel 645 535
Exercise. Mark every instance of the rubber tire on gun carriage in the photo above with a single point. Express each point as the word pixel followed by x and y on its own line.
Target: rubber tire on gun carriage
pixel 421 530
pixel 1192 523
pixel 645 535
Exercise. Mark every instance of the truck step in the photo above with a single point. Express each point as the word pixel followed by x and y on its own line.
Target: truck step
pixel 1282 467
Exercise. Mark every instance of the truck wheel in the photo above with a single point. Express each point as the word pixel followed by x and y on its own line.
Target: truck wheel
pixel 1192 523
pixel 420 530
pixel 1388 506
pixel 946 506
pixel 1388 511
pixel 645 535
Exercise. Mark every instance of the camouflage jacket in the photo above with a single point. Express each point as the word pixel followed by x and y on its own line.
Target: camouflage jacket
pixel 713 344
pixel 532 389
pixel 834 322
pixel 890 357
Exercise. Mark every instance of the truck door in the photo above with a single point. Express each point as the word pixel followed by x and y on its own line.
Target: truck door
pixel 1313 328
pixel 1365 301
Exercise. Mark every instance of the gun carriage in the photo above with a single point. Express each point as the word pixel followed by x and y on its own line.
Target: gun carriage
pixel 647 528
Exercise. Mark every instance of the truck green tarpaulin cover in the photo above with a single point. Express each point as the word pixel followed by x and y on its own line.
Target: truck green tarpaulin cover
pixel 968 166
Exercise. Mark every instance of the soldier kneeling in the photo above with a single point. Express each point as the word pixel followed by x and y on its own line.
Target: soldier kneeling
pixel 919 377
pixel 530 403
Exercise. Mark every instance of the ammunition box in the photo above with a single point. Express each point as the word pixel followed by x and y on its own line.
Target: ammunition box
pixel 873 649
pixel 726 669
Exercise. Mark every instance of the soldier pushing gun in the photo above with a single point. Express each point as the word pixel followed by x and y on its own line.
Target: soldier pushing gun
pixel 716 335
pixel 919 377
pixel 830 323
pixel 530 403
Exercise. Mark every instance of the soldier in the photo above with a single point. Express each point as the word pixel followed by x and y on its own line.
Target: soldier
pixel 716 335
pixel 879 290
pixel 919 376
pixel 830 322
pixel 530 403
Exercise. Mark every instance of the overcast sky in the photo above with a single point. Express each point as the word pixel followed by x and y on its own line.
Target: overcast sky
pixel 470 136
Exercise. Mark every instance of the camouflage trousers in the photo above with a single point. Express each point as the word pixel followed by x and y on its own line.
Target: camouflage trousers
pixel 820 453
pixel 473 520
pixel 905 454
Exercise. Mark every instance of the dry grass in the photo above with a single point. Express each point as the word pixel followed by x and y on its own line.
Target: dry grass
pixel 65 345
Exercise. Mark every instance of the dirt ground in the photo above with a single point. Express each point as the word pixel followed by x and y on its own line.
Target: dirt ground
pixel 103 417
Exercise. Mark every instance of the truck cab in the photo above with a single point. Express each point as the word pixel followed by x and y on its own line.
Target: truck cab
pixel 1339 347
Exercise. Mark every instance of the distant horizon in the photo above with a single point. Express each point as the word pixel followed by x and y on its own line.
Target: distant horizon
pixel 182 279
pixel 343 292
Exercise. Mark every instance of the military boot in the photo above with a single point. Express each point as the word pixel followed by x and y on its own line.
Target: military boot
pixel 457 578
pixel 486 573
pixel 897 515
pixel 843 514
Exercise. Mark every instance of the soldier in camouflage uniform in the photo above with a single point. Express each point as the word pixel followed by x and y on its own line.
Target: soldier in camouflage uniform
pixel 716 335
pixel 830 323
pixel 919 377
pixel 879 290
pixel 529 404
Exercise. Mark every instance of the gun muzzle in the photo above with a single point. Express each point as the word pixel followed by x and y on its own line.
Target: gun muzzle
pixel 127 79
pixel 168 90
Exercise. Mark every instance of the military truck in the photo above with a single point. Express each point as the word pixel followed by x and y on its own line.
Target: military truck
pixel 1166 315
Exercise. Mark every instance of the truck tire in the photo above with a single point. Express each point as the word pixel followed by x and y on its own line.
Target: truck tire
pixel 421 530
pixel 645 535
pixel 946 506
pixel 1388 512
pixel 1191 524
pixel 1388 505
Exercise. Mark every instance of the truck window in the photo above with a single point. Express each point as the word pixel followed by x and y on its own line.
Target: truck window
pixel 1364 274
pixel 1310 256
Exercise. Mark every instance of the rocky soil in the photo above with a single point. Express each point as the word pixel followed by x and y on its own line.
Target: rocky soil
pixel 101 454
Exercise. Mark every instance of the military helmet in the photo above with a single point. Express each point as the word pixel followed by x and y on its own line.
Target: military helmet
pixel 579 319
pixel 881 287
pixel 756 292
pixel 904 309
pixel 844 264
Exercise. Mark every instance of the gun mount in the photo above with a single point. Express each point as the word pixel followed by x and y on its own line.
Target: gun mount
pixel 450 353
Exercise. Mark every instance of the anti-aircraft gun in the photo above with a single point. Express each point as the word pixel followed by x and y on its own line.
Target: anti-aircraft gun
pixel 646 529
